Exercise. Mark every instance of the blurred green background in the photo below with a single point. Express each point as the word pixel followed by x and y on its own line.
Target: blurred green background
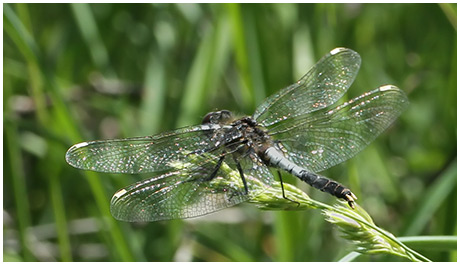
pixel 79 72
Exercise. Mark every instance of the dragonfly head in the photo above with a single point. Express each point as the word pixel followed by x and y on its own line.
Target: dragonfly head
pixel 218 117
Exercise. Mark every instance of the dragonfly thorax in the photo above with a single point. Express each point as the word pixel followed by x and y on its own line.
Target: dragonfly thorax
pixel 243 134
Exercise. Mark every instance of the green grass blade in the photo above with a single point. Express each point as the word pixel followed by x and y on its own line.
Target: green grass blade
pixel 439 243
pixel 61 116
pixel 89 30
pixel 245 97
pixel 153 100
pixel 207 67
pixel 430 203
pixel 450 12
pixel 19 189
pixel 58 204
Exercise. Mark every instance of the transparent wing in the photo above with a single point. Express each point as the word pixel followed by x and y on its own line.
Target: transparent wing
pixel 322 139
pixel 322 86
pixel 189 192
pixel 142 154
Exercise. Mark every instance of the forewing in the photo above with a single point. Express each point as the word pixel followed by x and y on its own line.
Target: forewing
pixel 322 139
pixel 322 86
pixel 142 154
pixel 189 192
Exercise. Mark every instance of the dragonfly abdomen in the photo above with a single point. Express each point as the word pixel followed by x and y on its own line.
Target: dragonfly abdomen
pixel 277 159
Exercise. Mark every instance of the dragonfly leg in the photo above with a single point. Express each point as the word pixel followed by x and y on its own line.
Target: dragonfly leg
pixel 332 187
pixel 215 170
pixel 246 190
pixel 282 189
pixel 238 166
pixel 213 173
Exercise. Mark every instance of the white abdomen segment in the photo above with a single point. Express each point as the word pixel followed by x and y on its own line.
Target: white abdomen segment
pixel 277 159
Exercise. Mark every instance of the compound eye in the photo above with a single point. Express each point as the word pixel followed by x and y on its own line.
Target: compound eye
pixel 217 117
pixel 209 118
pixel 225 115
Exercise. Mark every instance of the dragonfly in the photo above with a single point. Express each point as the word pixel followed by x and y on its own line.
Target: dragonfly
pixel 302 129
